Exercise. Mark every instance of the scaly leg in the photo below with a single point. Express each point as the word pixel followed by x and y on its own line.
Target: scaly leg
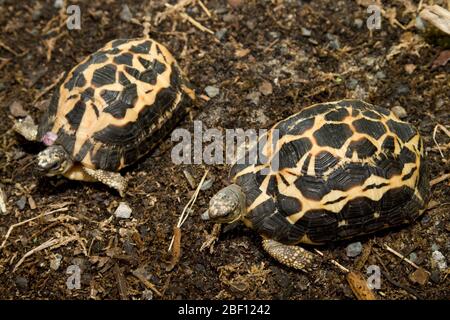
pixel 289 255
pixel 111 179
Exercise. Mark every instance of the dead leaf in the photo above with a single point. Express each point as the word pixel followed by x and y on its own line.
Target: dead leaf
pixel 176 250
pixel 240 53
pixel 235 3
pixel 409 68
pixel 17 110
pixel 438 17
pixel 32 203
pixel 441 60
pixel 419 276
pixel 359 286
pixel 409 43
pixel 266 88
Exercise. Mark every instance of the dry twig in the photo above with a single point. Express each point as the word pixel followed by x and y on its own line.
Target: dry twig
pixel 28 220
pixel 446 131
pixel 440 179
pixel 54 243
pixel 398 254
pixel 337 264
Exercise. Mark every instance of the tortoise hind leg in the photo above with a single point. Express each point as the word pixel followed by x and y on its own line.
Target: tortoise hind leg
pixel 289 255
pixel 111 179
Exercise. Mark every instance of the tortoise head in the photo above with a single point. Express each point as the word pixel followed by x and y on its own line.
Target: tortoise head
pixel 226 206
pixel 53 160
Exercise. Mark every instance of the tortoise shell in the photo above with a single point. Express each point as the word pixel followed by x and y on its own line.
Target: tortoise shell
pixel 115 105
pixel 343 169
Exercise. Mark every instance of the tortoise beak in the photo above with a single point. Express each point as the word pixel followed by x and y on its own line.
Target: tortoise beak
pixel 205 215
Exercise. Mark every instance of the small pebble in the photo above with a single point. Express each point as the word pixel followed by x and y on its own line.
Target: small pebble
pixel 435 276
pixel 380 75
pixel 254 97
pixel 402 89
pixel 21 202
pixel 352 83
pixel 334 41
pixel 435 247
pixel 207 184
pixel 250 24
pixel 228 17
pixel 36 15
pixel 125 14
pixel 354 249
pixel 409 68
pixel 147 295
pixel 413 257
pixel 266 88
pixel 305 32
pixel 439 260
pixel 123 211
pixel 426 219
pixel 274 35
pixel 221 10
pixel 420 24
pixel 212 91
pixel 220 34
pixel 358 23
pixel 17 111
pixel 21 283
pixel 58 4
pixel 56 262
pixel 399 111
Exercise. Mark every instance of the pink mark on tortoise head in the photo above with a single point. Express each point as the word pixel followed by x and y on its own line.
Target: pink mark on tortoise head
pixel 49 138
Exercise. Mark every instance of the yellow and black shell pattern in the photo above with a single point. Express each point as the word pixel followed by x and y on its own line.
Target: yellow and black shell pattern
pixel 344 169
pixel 115 105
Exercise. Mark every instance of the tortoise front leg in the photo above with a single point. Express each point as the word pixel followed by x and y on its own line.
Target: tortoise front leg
pixel 26 128
pixel 289 255
pixel 111 179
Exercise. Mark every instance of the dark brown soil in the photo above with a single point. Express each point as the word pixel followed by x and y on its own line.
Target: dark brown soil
pixel 339 59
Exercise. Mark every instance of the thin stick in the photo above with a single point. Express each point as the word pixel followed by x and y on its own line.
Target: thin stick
pixel 440 179
pixel 147 283
pixel 29 220
pixel 388 276
pixel 204 8
pixel 447 132
pixel 187 209
pixel 337 264
pixel 420 5
pixel 49 243
pixel 398 254
pixel 4 46
pixel 196 24
pixel 171 9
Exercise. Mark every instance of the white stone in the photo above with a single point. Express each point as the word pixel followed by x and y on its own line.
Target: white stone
pixel 123 211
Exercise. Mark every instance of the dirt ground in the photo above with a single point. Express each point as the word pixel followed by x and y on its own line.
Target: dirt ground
pixel 268 59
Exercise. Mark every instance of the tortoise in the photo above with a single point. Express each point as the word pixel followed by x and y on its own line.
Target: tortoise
pixel 337 170
pixel 109 111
